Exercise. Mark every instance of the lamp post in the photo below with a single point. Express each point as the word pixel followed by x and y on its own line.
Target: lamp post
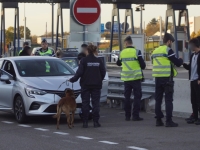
pixel 160 19
pixel 24 24
pixel 52 29
pixel 140 8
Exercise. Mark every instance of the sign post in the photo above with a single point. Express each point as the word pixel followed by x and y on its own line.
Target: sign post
pixel 86 12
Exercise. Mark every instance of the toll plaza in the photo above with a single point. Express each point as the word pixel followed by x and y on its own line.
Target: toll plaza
pixel 85 27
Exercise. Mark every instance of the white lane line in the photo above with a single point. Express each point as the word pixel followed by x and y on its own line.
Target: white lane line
pixel 83 137
pixel 61 133
pixel 136 148
pixel 23 125
pixel 8 122
pixel 108 142
pixel 86 10
pixel 41 129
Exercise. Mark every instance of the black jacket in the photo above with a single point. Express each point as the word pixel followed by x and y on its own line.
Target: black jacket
pixel 24 53
pixel 91 71
pixel 81 55
pixel 188 66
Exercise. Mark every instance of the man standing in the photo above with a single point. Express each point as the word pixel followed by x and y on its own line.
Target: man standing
pixel 44 51
pixel 194 77
pixel 164 60
pixel 132 64
pixel 83 52
pixel 24 44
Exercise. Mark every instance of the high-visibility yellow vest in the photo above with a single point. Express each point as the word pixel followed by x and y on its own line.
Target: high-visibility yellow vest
pixel 47 53
pixel 131 69
pixel 20 52
pixel 161 64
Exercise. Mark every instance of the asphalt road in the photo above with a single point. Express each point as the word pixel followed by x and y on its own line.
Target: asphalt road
pixel 115 71
pixel 115 134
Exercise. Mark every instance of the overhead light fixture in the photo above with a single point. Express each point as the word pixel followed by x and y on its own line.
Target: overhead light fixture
pixel 143 8
pixel 137 9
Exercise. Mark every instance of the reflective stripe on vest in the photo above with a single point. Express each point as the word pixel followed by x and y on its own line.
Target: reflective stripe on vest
pixel 20 52
pixel 130 66
pixel 47 67
pixel 161 63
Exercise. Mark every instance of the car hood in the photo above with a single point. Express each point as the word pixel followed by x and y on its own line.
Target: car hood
pixel 50 83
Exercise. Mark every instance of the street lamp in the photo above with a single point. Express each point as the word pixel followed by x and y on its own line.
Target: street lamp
pixel 160 19
pixel 140 8
pixel 52 30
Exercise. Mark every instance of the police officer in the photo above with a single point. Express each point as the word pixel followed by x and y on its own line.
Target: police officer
pixel 44 50
pixel 132 64
pixel 164 60
pixel 92 72
pixel 24 44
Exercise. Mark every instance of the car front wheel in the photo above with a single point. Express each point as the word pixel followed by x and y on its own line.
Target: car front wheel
pixel 19 110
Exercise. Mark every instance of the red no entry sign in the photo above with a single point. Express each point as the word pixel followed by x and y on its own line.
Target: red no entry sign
pixel 86 12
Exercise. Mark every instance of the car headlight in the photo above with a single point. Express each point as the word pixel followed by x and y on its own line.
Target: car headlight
pixel 30 92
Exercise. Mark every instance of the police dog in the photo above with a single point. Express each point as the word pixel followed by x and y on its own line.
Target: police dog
pixel 67 105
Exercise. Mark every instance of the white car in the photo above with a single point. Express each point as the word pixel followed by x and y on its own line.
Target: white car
pixel 28 89
pixel 114 57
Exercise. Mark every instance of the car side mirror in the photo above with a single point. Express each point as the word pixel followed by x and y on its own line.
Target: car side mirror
pixel 4 78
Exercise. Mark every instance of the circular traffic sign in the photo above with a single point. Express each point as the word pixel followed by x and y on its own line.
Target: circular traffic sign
pixel 86 12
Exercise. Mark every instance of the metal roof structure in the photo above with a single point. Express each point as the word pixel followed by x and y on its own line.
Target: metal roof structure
pixel 188 2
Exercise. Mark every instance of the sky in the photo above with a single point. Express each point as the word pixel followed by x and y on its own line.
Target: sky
pixel 38 14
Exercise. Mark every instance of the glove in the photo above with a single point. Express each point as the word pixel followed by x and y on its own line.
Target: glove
pixel 70 80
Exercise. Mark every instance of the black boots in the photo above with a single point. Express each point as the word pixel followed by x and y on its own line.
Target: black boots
pixel 85 124
pixel 96 124
pixel 159 122
pixel 170 123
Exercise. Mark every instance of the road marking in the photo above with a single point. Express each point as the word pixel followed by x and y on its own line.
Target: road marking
pixel 61 133
pixel 8 122
pixel 70 141
pixel 41 129
pixel 86 10
pixel 83 137
pixel 23 125
pixel 136 148
pixel 108 142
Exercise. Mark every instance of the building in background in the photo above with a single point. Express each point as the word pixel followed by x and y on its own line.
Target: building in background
pixel 194 24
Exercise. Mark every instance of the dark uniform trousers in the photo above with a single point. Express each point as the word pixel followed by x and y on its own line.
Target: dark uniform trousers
pixel 195 97
pixel 134 86
pixel 94 94
pixel 161 83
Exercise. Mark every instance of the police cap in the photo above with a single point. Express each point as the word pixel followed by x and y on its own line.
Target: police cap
pixel 168 37
pixel 44 41
pixel 26 44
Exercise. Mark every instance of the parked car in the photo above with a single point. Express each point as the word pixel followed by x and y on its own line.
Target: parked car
pixel 114 57
pixel 27 89
pixel 73 63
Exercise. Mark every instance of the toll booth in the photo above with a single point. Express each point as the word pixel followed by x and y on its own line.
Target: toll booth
pixel 182 41
pixel 138 41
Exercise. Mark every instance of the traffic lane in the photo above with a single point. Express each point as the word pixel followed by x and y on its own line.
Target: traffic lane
pixel 32 138
pixel 120 134
pixel 182 73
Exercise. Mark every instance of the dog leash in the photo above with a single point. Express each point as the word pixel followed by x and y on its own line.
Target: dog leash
pixel 67 83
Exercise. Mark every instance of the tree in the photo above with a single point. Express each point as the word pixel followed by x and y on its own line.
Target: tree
pixel 153 21
pixel 198 33
pixel 34 39
pixel 153 26
pixel 10 33
pixel 28 32
pixel 193 35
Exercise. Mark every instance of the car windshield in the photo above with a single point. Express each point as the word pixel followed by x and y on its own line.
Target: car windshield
pixel 72 62
pixel 43 67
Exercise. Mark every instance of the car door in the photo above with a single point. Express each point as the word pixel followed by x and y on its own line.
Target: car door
pixel 6 88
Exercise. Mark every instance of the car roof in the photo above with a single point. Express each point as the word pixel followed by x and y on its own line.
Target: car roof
pixel 28 58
